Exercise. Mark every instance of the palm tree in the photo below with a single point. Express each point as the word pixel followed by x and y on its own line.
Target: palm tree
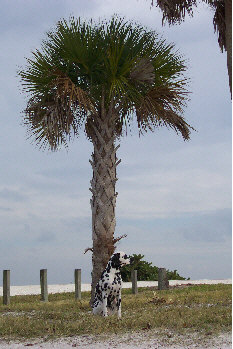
pixel 174 12
pixel 100 76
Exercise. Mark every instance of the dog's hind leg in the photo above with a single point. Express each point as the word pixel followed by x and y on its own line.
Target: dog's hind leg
pixel 105 310
pixel 119 305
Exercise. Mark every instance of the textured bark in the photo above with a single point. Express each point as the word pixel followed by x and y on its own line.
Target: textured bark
pixel 228 21
pixel 103 202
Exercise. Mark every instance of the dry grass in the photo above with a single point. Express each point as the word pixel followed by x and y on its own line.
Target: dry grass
pixel 203 309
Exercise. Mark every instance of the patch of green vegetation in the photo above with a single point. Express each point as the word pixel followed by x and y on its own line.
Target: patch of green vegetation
pixel 146 271
pixel 203 309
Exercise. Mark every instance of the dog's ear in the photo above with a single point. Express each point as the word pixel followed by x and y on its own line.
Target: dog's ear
pixel 116 260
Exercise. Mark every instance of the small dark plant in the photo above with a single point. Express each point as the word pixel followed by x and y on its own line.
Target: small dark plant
pixel 145 271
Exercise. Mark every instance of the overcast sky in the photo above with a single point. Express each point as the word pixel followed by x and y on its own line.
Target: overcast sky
pixel 174 199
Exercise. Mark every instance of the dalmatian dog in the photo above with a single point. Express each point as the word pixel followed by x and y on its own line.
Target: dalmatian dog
pixel 108 289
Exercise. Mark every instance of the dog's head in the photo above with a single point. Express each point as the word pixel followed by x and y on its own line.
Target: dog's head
pixel 119 259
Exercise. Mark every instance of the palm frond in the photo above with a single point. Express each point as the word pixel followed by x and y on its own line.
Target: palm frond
pixel 70 94
pixel 50 120
pixel 143 71
pixel 174 10
pixel 163 106
pixel 219 22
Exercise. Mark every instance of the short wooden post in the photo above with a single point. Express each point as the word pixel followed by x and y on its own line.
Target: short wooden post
pixel 6 287
pixel 44 285
pixel 163 283
pixel 134 281
pixel 77 283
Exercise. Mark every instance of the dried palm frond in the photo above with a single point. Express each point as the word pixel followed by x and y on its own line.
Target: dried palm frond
pixel 71 94
pixel 219 22
pixel 174 10
pixel 162 106
pixel 143 71
pixel 50 120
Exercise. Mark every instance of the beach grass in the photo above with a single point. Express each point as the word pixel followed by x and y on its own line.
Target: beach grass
pixel 205 309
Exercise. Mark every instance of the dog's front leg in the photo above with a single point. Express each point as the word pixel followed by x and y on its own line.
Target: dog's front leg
pixel 119 305
pixel 105 310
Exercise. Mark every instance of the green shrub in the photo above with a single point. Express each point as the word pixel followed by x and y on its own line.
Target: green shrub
pixel 145 271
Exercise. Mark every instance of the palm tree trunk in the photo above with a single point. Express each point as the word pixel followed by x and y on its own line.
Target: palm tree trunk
pixel 228 21
pixel 103 202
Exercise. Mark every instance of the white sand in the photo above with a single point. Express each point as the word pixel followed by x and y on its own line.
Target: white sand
pixel 140 340
pixel 35 289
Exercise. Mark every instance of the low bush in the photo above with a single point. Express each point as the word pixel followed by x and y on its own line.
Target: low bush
pixel 145 271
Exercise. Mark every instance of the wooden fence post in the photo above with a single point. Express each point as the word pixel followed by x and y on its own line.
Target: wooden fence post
pixel 134 281
pixel 6 287
pixel 44 285
pixel 77 283
pixel 163 283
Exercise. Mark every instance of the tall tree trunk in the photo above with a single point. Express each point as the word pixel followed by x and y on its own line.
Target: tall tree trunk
pixel 228 21
pixel 103 202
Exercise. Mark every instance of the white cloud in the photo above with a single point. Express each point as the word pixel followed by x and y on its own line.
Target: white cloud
pixel 172 180
pixel 47 206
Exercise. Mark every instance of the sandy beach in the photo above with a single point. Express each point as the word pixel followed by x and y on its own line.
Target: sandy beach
pixel 140 340
pixel 35 289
